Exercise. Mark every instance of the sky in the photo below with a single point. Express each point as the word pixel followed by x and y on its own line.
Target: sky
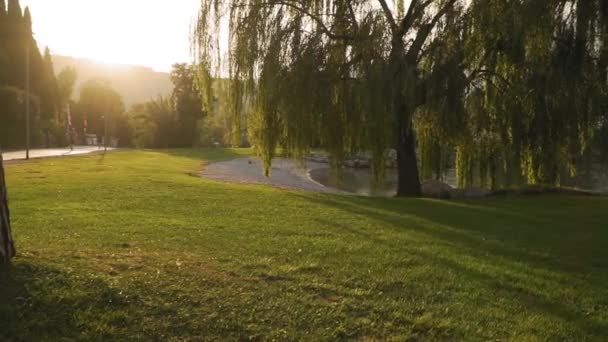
pixel 152 33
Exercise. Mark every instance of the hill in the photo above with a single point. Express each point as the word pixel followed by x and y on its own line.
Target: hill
pixel 135 83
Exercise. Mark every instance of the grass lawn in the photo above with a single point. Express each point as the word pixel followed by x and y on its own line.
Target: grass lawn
pixel 131 247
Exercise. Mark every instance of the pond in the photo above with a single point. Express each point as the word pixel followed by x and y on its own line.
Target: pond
pixel 360 181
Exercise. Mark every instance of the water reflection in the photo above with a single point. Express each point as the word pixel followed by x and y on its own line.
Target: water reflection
pixel 357 181
pixel 360 181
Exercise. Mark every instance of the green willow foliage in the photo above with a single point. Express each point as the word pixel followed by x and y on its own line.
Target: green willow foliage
pixel 345 75
pixel 510 91
pixel 541 101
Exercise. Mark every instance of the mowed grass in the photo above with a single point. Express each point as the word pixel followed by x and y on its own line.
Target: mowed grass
pixel 131 246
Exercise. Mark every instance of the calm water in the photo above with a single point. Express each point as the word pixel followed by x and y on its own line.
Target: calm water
pixel 360 181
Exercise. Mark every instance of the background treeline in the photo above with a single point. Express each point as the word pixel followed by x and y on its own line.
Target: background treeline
pixel 172 121
pixel 178 120
pixel 50 96
pixel 58 119
pixel 46 101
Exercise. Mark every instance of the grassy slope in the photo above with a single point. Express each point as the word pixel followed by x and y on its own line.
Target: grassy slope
pixel 131 247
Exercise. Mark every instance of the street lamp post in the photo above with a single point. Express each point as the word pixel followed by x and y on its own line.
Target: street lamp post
pixel 105 139
pixel 27 102
pixel 105 132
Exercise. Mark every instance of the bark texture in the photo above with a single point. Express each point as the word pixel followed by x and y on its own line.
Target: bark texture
pixel 7 247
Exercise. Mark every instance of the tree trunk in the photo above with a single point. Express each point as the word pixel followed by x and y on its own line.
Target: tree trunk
pixel 407 162
pixel 404 104
pixel 7 248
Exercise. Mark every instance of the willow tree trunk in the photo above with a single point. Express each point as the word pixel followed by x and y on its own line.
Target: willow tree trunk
pixel 7 247
pixel 404 105
pixel 409 178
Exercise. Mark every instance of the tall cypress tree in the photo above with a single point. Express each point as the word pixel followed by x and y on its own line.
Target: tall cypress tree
pixel 14 9
pixel 4 65
pixel 27 21
pixel 48 92
pixel 2 8
pixel 16 39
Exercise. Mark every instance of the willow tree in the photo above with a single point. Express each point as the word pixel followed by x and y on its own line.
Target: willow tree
pixel 533 115
pixel 344 74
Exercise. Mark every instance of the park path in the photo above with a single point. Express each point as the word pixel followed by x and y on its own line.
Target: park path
pixel 51 152
pixel 285 174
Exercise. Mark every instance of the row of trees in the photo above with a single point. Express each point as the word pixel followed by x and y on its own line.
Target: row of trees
pixel 167 122
pixel 50 99
pixel 17 47
pixel 57 120
pixel 170 121
pixel 512 92
pixel 174 121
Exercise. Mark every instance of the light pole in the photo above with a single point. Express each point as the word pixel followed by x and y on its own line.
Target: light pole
pixel 27 102
pixel 105 133
pixel 109 109
pixel 70 135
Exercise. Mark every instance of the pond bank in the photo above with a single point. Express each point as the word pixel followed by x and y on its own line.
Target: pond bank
pixel 315 177
pixel 285 174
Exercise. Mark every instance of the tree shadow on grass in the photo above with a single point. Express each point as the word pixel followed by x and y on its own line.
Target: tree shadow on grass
pixel 41 302
pixel 572 244
pixel 516 250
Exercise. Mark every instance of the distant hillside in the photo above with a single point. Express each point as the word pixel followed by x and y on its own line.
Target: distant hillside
pixel 135 83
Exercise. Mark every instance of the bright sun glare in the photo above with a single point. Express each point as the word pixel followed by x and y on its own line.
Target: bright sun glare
pixel 151 33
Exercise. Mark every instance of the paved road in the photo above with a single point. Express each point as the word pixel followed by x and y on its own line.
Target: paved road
pixel 51 152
